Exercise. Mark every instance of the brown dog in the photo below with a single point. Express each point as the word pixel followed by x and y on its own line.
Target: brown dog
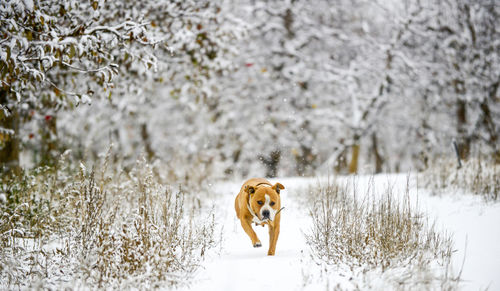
pixel 259 202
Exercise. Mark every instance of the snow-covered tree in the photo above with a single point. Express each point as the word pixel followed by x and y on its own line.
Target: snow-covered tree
pixel 57 54
pixel 454 63
pixel 310 83
pixel 256 87
pixel 165 113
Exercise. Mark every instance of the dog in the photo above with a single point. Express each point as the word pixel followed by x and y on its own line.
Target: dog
pixel 259 201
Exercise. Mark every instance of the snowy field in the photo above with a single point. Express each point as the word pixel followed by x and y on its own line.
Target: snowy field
pixel 238 266
pixel 116 117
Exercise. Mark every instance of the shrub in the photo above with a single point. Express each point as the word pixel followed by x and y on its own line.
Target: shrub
pixel 480 176
pixel 101 228
pixel 375 231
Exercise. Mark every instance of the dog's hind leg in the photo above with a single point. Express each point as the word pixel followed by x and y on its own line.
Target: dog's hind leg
pixel 247 226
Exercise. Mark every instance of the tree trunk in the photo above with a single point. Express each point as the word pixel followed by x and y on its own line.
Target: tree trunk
pixel 463 139
pixel 489 123
pixel 9 143
pixel 147 142
pixel 49 141
pixel 378 158
pixel 353 166
pixel 288 23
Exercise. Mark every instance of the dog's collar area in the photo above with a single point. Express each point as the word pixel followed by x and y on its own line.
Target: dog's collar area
pixel 263 183
pixel 256 219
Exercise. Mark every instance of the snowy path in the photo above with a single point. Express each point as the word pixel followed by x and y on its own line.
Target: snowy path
pixel 243 267
pixel 239 266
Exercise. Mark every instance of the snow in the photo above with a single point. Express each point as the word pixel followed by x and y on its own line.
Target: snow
pixel 243 267
pixel 238 266
pixel 474 224
pixel 252 79
pixel 28 4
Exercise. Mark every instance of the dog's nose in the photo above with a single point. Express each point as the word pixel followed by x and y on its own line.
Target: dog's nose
pixel 266 213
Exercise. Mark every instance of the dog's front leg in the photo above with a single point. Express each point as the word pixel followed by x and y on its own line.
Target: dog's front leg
pixel 274 232
pixel 247 226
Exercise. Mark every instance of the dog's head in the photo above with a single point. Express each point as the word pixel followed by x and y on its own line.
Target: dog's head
pixel 265 201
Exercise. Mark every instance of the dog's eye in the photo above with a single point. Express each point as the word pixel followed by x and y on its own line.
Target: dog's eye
pixel 260 202
pixel 272 203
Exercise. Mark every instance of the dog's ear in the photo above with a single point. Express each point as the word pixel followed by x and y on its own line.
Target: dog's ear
pixel 250 189
pixel 277 187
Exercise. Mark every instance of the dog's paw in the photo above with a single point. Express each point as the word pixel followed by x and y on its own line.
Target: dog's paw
pixel 257 245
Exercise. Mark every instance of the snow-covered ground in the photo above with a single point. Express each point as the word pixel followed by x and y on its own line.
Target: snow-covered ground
pixel 476 231
pixel 243 267
pixel 238 266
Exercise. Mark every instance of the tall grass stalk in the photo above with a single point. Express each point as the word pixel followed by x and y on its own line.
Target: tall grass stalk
pixel 479 176
pixel 100 228
pixel 376 231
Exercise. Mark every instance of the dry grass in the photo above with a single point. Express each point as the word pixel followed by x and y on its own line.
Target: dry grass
pixel 378 231
pixel 101 228
pixel 480 176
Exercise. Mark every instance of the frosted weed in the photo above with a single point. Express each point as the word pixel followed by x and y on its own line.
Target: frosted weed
pixel 368 233
pixel 101 228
